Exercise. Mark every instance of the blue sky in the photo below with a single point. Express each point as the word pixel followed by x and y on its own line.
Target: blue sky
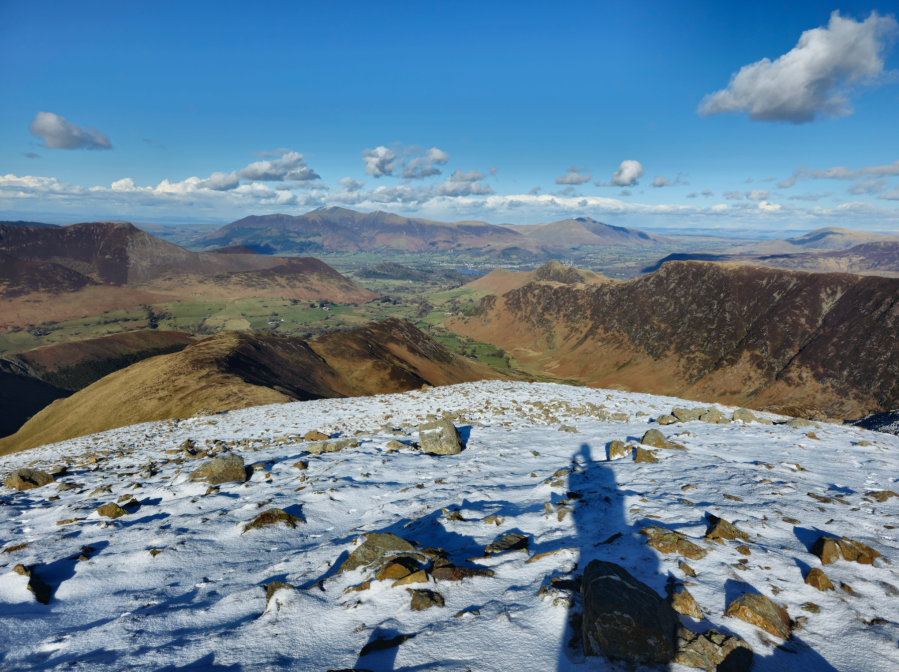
pixel 167 111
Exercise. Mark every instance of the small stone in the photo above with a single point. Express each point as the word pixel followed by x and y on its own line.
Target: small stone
pixel 721 529
pixel 111 510
pixel 27 479
pixel 655 439
pixel 508 542
pixel 226 468
pixel 881 495
pixel 495 520
pixel 398 569
pixel 684 603
pixel 439 437
pixel 643 455
pixel 315 436
pixel 818 579
pixel 273 517
pixel 743 549
pixel 762 613
pixel 425 599
pixel 302 465
pixel 668 541
pixel 846 588
pixel 811 607
pixel 686 569
pixel 713 650
pixel 734 498
pixel 666 420
pixel 155 551
pixel 568 428
pixel 791 521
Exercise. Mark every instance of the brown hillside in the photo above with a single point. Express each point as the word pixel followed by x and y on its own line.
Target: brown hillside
pixel 232 370
pixel 827 239
pixel 712 332
pixel 500 281
pixel 587 231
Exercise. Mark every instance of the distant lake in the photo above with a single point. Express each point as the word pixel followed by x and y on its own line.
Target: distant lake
pixel 468 271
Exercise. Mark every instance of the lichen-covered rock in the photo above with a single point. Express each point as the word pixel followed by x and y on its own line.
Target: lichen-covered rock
pixel 668 541
pixel 273 517
pixel 335 446
pixel 439 437
pixel 714 416
pixel 744 415
pixel 801 422
pixel 762 613
pixel 302 465
pixel 643 455
pixel 397 569
pixel 687 414
pixel 683 602
pixel 624 619
pixel 226 468
pixel 721 529
pixel 425 599
pixel 666 419
pixel 655 439
pixel 27 479
pixel 818 579
pixel 315 436
pixel 713 650
pixel 376 546
pixel 508 542
pixel 111 510
pixel 617 449
pixel 831 549
pixel 881 495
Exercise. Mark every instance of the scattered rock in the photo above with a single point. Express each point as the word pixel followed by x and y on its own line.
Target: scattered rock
pixel 721 529
pixel 439 437
pixel 496 520
pixel 687 414
pixel 376 546
pixel 743 549
pixel 425 599
pixel 380 645
pixel 111 510
pixel 714 416
pixel 272 590
pixel 223 469
pixel 302 465
pixel 666 420
pixel 315 436
pixel 453 573
pixel 655 439
pixel 810 607
pixel 744 415
pixel 335 446
pixel 421 576
pixel 568 428
pixel 762 613
pixel 686 569
pixel 273 517
pixel 27 479
pixel 881 495
pixel 684 603
pixel 668 541
pixel 508 542
pixel 624 619
pixel 643 455
pixel 818 579
pixel 397 569
pixel 713 650
pixel 801 422
pixel 831 549
pixel 393 444
pixel 734 498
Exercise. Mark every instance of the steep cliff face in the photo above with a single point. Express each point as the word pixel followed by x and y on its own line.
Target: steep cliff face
pixel 707 331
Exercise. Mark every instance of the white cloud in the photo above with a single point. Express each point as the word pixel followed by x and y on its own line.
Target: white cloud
pixel 758 195
pixel 57 133
pixel 814 78
pixel 535 191
pixel 408 163
pixel 769 207
pixel 290 166
pixel 661 181
pixel 869 186
pixel 892 195
pixel 626 176
pixel 350 184
pixel 839 173
pixel 733 195
pixel 707 193
pixel 625 192
pixel 573 176
pixel 464 184
pixel 220 182
pixel 693 195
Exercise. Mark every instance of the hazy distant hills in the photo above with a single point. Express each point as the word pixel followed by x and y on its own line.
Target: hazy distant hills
pixel 237 370
pixel 336 229
pixel 39 225
pixel 84 269
pixel 726 333
pixel 826 239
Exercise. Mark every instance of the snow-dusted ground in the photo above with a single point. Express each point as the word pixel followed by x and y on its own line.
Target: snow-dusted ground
pixel 199 603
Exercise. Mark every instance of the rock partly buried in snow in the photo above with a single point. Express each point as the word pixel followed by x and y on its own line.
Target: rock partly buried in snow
pixel 721 529
pixel 687 414
pixel 624 619
pixel 26 479
pixel 655 439
pixel 223 469
pixel 643 455
pixel 881 495
pixel 439 437
pixel 315 436
pixel 669 541
pixel 111 510
pixel 713 650
pixel 335 446
pixel 453 573
pixel 666 420
pixel 683 602
pixel 744 415
pixel 508 542
pixel 818 579
pixel 830 549
pixel 425 599
pixel 281 593
pixel 617 449
pixel 377 546
pixel 762 613
pixel 714 416
pixel 798 423
pixel 273 517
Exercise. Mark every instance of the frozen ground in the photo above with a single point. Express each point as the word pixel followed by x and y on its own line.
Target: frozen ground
pixel 200 603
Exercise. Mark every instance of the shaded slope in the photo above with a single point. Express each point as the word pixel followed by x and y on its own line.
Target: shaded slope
pixel 714 332
pixel 232 370
pixel 22 396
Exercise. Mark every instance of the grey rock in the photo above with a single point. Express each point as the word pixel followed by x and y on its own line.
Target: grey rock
pixel 376 547
pixel 439 437
pixel 27 479
pixel 666 420
pixel 655 439
pixel 687 414
pixel 714 416
pixel 335 446
pixel 617 449
pixel 713 650
pixel 624 619
pixel 226 468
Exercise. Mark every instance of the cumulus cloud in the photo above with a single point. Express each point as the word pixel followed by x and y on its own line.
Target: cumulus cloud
pixel 758 195
pixel 707 193
pixel 626 176
pixel 662 181
pixel 573 176
pixel 57 133
pixel 408 163
pixel 350 184
pixel 290 166
pixel 220 182
pixel 567 191
pixel 464 184
pixel 733 195
pixel 813 79
pixel 535 191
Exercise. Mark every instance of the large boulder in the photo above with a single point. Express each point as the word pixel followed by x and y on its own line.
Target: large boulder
pixel 762 613
pixel 624 619
pixel 687 414
pixel 439 437
pixel 655 439
pixel 721 529
pixel 714 416
pixel 26 479
pixel 226 468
